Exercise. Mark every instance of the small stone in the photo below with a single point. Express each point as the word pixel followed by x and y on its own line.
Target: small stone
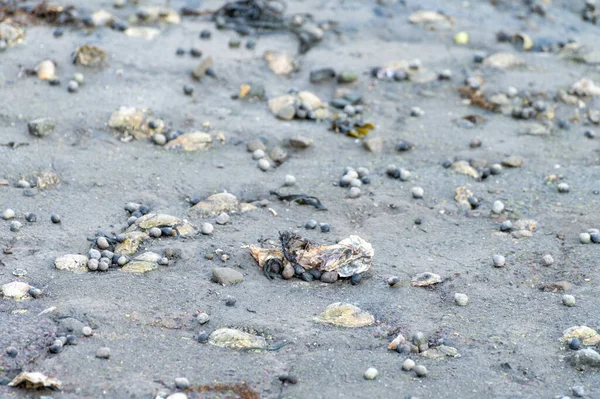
pixel 461 38
pixel 514 161
pixel 103 266
pixel 325 228
pixel 164 261
pixel 585 238
pixel 11 351
pixel 404 146
pixel 311 224
pixel 403 349
pixel 223 218
pixel 205 34
pixel 15 226
pixel 31 217
pixel 418 338
pixel 589 134
pixel 159 139
pixel 355 183
pixel 420 371
pixel 73 86
pixel 497 207
pixel 354 192
pixel 563 187
pixel 371 373
pixel 595 237
pixel 207 228
pixel 347 77
pixel 446 74
pixel 55 218
pixel 188 90
pixel 254 145
pixel 288 272
pixel 103 353
pixel 475 143
pixel 461 299
pixel 93 264
pixel 264 165
pixel 177 395
pixel 498 260
pixel 416 111
pixel 155 232
pixel 575 344
pixel 578 391
pixel 547 260
pixel 86 331
pixel 356 279
pixel 23 184
pixel 496 169
pixel 404 175
pixel 8 214
pixel 182 383
pixel 417 192
pixel 71 340
pixel 568 300
pixel 35 292
pixel 329 277
pixel 41 127
pixel 586 357
pixel 56 347
pixel 373 144
pixel 258 154
pixel 196 53
pixel 203 318
pixel 300 142
pixel 78 77
pixel 226 276
pixel 408 365
pixel 102 243
pixel 230 302
pixel 289 180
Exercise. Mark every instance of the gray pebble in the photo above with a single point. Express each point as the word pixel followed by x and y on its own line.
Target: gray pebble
pixel 73 86
pixel 258 154
pixel 498 260
pixel 41 127
pixel 354 192
pixel 122 261
pixel 416 111
pixel 35 292
pixel 578 391
pixel 547 260
pixel 78 77
pixel 155 232
pixel 23 184
pixel 86 331
pixel 371 373
pixel 159 139
pixel 329 277
pixel 418 338
pixel 404 175
pixel 461 299
pixel 408 365
pixel 311 224
pixel 164 261
pixel 264 165
pixel 207 228
pixel 496 169
pixel 103 353
pixel 223 218
pixel 102 243
pixel 362 172
pixel 420 371
pixel 585 238
pixel 31 217
pixel 182 383
pixel 103 266
pixel 8 214
pixel 349 110
pixel 131 220
pixel 94 254
pixel 15 226
pixel 255 144
pixel 289 180
pixel 498 207
pixel 568 300
pixel 107 255
pixel 506 226
pixel 132 207
pixel 355 183
pixel 203 318
pixel 595 238
pixel 417 192
pixel 54 218
pixel 351 173
pixel 563 187
pixel 93 264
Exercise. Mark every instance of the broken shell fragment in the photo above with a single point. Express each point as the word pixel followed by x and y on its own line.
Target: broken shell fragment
pixel 523 41
pixel 35 381
pixel 150 220
pixel 132 242
pixel 46 70
pixel 188 142
pixel 16 290
pixel 280 63
pixel 200 71
pixel 89 55
pixel 503 61
pixel 142 32
pixel 135 122
pixel 72 262
pixel 425 279
pixel 399 340
pixel 345 315
pixel 142 263
pixel 11 33
pixel 464 168
pixel 236 339
pixel 431 19
pixel 219 203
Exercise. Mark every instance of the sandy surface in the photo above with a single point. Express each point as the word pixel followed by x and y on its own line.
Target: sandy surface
pixel 507 336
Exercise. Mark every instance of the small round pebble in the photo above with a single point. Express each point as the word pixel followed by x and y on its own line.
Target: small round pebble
pixel 230 302
pixel 355 183
pixel 403 349
pixel 71 340
pixel 506 226
pixel 311 224
pixel 207 228
pixel 93 264
pixel 461 299
pixel 73 86
pixel 392 281
pixel 159 139
pixel 23 184
pixel 595 237
pixel 568 300
pixel 205 34
pixel 354 192
pixel 203 318
pixel 182 383
pixel 496 169
pixel 575 344
pixel 196 53
pixel 589 134
pixel 288 272
pixel 497 207
pixel 417 192
pixel 11 351
pixel 103 266
pixel 351 174
pixel 155 232
pixel 289 180
pixel 103 353
pixel 264 165
pixel 418 338
pixel 94 254
pixel 475 143
pixel 180 51
pixel 498 260
pixel 144 209
pixel 31 217
pixel 8 214
pixel 404 175
pixel 408 365
pixel 371 373
pixel 122 261
pixel 164 261
pixel 102 243
pixel 203 337
pixel 35 292
pixel 547 260
pixel 188 90
pixel 420 371
pixel 86 331
pixel 223 218
pixel 56 347
pixel 585 238
pixel 15 226
pixel 258 154
pixel 563 187
pixel 356 279
pixel 362 172
pixel 325 228
pixel 54 218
